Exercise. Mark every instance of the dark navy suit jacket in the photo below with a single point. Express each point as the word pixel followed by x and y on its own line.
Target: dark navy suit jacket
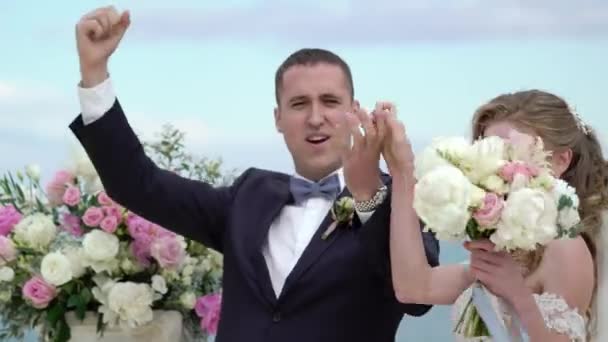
pixel 340 288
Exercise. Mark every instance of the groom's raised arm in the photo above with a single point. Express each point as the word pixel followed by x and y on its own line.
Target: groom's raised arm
pixel 191 208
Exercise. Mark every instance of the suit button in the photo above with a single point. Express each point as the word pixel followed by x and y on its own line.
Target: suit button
pixel 276 317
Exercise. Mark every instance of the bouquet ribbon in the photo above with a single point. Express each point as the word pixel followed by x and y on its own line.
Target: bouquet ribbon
pixel 484 307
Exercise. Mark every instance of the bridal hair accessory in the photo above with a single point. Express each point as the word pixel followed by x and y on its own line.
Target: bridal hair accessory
pixel 579 121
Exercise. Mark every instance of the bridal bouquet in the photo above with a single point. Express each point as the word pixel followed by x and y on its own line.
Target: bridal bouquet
pixel 68 247
pixel 493 188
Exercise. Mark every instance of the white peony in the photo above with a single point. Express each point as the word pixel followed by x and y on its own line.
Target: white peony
pixel 56 269
pixel 130 304
pixel 528 219
pixel 159 284
pixel 442 200
pixel 6 274
pixel 36 231
pixel 100 246
pixel 76 257
pixel 485 157
pixel 188 300
pixel 453 148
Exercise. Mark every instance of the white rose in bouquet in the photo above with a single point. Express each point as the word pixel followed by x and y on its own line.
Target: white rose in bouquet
pixel 6 274
pixel 75 256
pixel 130 303
pixel 36 231
pixel 443 199
pixel 454 148
pixel 159 284
pixel 485 158
pixel 56 269
pixel 528 219
pixel 100 251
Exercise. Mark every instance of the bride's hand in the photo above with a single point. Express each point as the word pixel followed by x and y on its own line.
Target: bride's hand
pixel 498 271
pixel 396 149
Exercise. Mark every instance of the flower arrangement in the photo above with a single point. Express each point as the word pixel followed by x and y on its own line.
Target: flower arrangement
pixel 68 247
pixel 497 189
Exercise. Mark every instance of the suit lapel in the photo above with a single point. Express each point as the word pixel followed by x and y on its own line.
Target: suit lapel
pixel 316 247
pixel 273 197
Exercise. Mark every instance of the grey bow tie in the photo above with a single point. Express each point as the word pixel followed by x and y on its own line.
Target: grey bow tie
pixel 302 189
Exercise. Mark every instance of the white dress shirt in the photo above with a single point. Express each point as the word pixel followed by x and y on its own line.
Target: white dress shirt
pixel 288 235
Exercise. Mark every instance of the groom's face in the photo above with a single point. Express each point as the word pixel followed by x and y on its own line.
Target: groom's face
pixel 312 99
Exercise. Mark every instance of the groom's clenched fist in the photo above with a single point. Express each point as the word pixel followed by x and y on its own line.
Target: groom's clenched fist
pixel 97 36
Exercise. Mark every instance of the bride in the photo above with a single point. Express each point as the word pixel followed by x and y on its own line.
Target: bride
pixel 551 291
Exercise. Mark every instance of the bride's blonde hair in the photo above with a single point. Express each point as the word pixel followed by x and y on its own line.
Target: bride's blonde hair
pixel 561 128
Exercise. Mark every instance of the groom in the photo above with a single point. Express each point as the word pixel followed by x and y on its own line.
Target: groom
pixel 282 280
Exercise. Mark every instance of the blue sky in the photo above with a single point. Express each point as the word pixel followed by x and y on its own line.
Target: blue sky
pixel 208 68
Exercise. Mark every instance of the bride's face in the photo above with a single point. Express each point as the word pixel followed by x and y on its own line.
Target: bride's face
pixel 560 160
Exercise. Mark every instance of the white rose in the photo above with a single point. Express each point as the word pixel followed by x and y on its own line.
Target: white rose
pixel 188 300
pixel 495 184
pixel 100 246
pixel 454 148
pixel 484 158
pixel 562 188
pixel 568 218
pixel 33 171
pixel 75 256
pixel 56 269
pixel 188 270
pixel 6 274
pixel 159 284
pixel 528 219
pixel 36 231
pixel 442 200
pixel 81 164
pixel 131 303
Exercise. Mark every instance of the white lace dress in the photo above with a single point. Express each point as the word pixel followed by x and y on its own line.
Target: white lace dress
pixel 557 314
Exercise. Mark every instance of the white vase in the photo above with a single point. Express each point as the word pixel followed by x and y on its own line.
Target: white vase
pixel 166 326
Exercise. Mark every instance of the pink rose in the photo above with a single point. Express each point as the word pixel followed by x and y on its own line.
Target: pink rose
pixel 8 252
pixel 143 230
pixel 93 216
pixel 71 196
pixel 208 308
pixel 109 224
pixel 104 199
pixel 141 252
pixel 510 170
pixel 489 214
pixel 168 252
pixel 113 210
pixel 56 187
pixel 71 224
pixel 9 217
pixel 38 292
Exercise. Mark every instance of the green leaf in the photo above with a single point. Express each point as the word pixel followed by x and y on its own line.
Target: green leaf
pixel 55 313
pixel 564 201
pixel 63 331
pixel 86 295
pixel 73 301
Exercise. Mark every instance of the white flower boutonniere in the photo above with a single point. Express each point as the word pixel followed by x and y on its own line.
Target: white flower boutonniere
pixel 342 212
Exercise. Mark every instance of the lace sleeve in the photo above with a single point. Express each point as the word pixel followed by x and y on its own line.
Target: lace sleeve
pixel 560 318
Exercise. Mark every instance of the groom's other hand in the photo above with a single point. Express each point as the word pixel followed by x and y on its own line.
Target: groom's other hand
pixel 361 159
pixel 98 34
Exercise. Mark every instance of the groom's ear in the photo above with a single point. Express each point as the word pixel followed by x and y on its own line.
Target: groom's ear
pixel 277 118
pixel 356 105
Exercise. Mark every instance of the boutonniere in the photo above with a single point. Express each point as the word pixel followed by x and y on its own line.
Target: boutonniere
pixel 342 212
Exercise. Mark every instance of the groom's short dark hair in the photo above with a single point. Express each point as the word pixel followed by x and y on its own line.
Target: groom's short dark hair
pixel 312 57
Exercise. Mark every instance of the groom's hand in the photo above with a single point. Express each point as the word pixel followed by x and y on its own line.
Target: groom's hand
pixel 97 36
pixel 361 159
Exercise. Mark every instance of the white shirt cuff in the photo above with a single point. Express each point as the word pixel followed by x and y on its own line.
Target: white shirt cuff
pixel 96 101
